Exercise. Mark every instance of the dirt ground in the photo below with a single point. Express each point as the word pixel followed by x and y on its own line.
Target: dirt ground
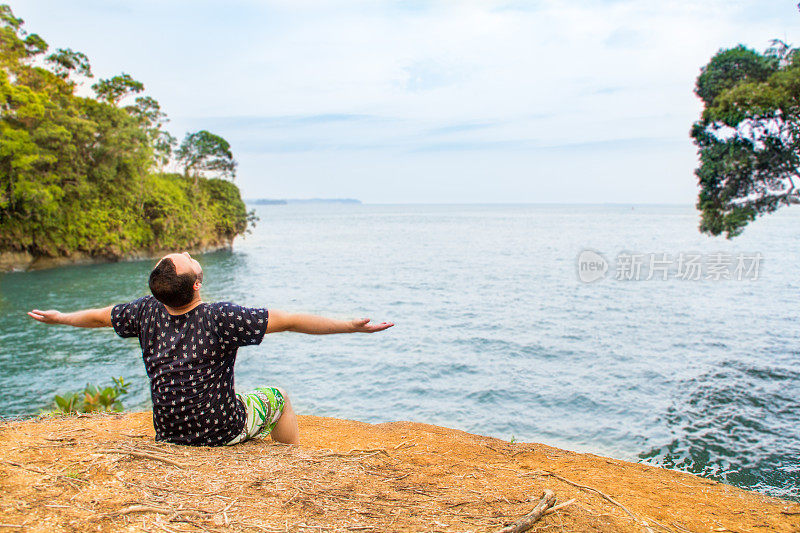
pixel 106 473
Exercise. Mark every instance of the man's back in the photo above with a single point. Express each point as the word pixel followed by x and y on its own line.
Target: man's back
pixel 189 348
pixel 189 359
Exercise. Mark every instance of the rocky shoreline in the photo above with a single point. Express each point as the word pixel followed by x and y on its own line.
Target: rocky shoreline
pixel 105 472
pixel 24 261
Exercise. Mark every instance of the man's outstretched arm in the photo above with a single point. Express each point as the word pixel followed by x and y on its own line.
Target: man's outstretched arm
pixel 319 325
pixel 88 318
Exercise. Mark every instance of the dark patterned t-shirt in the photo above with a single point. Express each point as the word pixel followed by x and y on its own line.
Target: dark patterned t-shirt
pixel 189 359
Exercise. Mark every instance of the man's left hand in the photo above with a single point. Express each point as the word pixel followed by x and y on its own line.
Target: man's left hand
pixel 362 325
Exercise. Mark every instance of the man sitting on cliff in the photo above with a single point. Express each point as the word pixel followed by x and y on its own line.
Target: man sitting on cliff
pixel 189 348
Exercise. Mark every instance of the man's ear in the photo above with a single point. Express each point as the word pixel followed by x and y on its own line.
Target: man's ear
pixel 197 285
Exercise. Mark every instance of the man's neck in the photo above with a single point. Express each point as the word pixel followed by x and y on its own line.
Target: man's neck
pixel 186 308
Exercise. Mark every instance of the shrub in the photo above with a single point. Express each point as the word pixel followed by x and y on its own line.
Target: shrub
pixel 92 398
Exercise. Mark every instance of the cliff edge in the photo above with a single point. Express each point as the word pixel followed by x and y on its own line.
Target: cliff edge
pixel 106 473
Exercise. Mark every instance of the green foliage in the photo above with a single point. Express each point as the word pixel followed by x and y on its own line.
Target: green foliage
pixel 748 136
pixel 204 151
pixel 730 67
pixel 147 111
pixel 80 174
pixel 115 89
pixel 7 18
pixel 92 398
pixel 65 61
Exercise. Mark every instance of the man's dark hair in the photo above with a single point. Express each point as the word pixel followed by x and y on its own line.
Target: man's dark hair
pixel 168 287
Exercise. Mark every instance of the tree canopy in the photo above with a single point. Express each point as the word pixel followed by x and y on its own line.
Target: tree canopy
pixel 204 151
pixel 80 173
pixel 748 136
pixel 115 89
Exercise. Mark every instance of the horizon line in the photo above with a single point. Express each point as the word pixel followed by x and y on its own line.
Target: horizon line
pixel 352 201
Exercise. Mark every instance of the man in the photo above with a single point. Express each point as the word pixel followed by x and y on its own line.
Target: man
pixel 189 349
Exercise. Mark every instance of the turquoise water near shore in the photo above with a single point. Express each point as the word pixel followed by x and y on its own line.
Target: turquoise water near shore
pixel 495 332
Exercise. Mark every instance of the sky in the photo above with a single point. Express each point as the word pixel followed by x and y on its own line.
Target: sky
pixel 540 101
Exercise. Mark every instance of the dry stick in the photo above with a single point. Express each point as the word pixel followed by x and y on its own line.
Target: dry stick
pixel 24 467
pixel 360 457
pixel 230 505
pixel 176 518
pixel 495 450
pixel 527 521
pixel 262 528
pixel 560 506
pixel 155 450
pixel 167 449
pixel 603 494
pixel 46 474
pixel 355 451
pixel 167 529
pixel 150 509
pixel 459 504
pixel 681 528
pixel 662 526
pixel 143 455
pixel 141 509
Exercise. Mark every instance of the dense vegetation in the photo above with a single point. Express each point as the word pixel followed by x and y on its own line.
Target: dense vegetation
pixel 748 136
pixel 86 173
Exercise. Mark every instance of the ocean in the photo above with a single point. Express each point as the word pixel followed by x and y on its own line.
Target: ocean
pixel 618 330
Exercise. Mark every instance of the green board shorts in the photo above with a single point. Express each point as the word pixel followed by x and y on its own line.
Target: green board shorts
pixel 263 407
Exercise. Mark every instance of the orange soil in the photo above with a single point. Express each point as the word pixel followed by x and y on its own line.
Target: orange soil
pixel 106 473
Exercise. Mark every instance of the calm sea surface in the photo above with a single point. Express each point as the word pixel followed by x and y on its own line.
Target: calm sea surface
pixel 495 332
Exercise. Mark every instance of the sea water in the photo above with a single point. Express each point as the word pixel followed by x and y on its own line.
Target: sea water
pixel 496 333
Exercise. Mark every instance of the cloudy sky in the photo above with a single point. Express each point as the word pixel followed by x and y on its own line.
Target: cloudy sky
pixel 424 101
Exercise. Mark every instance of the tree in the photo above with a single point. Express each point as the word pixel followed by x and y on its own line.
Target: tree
pixel 65 61
pixel 730 67
pixel 781 51
pixel 204 151
pixel 115 89
pixel 59 152
pixel 76 171
pixel 16 46
pixel 147 111
pixel 748 136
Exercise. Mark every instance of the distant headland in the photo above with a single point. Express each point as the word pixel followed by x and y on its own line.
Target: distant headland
pixel 271 201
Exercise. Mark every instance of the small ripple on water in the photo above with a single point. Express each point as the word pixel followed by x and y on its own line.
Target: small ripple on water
pixel 728 425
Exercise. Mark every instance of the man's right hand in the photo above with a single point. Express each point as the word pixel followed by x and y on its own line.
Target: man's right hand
pixel 48 317
pixel 88 318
